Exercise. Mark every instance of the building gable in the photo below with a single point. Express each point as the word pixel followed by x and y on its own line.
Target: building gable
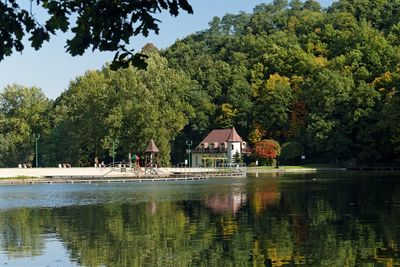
pixel 219 137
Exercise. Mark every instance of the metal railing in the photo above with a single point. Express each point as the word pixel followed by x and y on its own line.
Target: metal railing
pixel 239 168
pixel 210 150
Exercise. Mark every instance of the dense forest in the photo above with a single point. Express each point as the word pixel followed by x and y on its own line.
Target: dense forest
pixel 324 80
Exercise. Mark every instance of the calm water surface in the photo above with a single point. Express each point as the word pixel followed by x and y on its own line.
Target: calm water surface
pixel 328 219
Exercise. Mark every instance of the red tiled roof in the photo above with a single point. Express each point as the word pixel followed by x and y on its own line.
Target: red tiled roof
pixel 233 136
pixel 221 136
pixel 151 147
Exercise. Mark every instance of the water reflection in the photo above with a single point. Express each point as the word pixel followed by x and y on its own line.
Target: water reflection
pixel 307 220
pixel 226 203
pixel 21 232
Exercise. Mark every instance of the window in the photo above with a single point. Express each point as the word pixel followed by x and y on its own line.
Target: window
pixel 232 147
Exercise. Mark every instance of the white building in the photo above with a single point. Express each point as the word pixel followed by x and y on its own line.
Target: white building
pixel 219 148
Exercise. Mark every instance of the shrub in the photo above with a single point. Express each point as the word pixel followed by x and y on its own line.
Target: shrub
pixel 267 150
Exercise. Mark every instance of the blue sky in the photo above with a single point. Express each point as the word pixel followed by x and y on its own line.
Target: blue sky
pixel 52 69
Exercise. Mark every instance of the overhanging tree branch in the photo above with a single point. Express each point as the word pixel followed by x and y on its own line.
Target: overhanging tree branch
pixel 103 25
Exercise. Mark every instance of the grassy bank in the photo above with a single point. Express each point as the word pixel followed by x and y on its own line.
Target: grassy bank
pixel 304 166
pixel 295 168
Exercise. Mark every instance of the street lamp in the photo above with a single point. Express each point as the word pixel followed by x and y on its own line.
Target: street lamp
pixel 189 144
pixel 36 137
pixel 113 153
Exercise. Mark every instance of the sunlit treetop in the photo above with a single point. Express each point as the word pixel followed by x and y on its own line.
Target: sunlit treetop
pixel 104 25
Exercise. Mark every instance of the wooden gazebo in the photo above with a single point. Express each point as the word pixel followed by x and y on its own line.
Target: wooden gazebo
pixel 151 153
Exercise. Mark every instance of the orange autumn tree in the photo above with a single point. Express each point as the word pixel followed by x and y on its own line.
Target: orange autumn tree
pixel 267 150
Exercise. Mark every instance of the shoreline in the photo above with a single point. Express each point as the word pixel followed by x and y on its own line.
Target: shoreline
pixel 291 170
pixel 38 180
pixel 116 174
pixel 109 172
pixel 10 176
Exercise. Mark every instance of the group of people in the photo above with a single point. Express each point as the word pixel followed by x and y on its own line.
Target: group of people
pixel 25 165
pixel 134 159
pixel 98 164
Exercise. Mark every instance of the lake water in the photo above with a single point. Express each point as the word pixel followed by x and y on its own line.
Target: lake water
pixel 326 219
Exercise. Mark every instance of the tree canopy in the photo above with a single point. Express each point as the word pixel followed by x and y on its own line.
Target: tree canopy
pixel 23 112
pixel 102 25
pixel 294 72
pixel 127 107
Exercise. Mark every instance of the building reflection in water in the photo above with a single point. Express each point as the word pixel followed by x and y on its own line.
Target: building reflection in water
pixel 226 203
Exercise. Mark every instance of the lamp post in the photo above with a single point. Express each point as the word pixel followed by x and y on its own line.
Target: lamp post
pixel 189 144
pixel 36 137
pixel 113 153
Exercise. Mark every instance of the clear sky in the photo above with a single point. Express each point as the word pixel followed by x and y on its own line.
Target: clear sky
pixel 51 69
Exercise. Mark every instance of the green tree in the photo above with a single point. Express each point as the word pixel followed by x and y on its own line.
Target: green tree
pixel 291 152
pixel 129 105
pixel 237 157
pixel 274 104
pixel 102 25
pixel 24 111
pixel 327 98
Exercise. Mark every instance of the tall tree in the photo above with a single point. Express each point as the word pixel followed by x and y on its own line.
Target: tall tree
pixel 124 109
pixel 273 105
pixel 24 112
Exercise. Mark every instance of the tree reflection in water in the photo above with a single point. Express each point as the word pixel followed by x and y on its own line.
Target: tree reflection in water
pixel 273 221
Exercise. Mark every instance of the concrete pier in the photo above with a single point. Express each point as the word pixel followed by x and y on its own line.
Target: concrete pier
pixel 109 175
pixel 73 180
pixel 53 172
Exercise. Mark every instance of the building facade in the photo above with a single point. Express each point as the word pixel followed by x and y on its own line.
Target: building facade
pixel 219 148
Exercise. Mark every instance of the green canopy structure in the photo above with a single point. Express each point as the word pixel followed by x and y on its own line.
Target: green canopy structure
pixel 214 161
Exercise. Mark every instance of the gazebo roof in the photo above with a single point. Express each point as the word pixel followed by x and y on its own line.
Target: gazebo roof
pixel 151 147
